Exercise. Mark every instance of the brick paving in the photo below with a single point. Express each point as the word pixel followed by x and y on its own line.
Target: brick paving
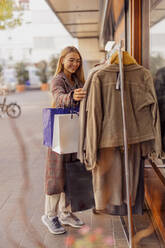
pixel 23 229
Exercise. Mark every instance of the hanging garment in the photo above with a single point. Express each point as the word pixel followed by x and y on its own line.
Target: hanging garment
pixel 82 117
pixel 109 180
pixel 104 126
pixel 103 136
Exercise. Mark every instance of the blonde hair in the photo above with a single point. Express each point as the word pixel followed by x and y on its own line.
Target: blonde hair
pixel 79 72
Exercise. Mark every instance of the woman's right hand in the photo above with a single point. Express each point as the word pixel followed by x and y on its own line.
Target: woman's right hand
pixel 79 94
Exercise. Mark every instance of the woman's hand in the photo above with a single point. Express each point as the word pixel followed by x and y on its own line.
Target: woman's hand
pixel 79 94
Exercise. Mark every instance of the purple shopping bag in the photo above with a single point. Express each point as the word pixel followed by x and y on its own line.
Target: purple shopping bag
pixel 48 122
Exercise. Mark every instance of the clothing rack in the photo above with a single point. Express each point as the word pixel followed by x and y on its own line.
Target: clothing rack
pixel 114 47
pixel 120 86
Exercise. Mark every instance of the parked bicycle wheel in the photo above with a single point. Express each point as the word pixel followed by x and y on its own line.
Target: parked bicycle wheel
pixel 13 110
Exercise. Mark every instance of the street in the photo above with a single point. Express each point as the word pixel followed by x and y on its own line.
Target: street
pixel 21 144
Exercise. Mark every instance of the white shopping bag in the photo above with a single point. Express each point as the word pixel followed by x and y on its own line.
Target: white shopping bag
pixel 65 133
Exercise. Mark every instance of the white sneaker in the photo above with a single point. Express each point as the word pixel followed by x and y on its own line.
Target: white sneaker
pixel 53 225
pixel 71 220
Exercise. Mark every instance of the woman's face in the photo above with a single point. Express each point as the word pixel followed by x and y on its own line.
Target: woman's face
pixel 71 62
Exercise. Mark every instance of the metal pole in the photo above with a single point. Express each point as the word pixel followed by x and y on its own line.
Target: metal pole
pixel 127 177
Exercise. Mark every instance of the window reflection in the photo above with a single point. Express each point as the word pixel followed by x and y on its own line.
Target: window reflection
pixel 157 35
pixel 157 56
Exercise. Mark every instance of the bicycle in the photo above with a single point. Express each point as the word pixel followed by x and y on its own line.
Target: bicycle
pixel 13 110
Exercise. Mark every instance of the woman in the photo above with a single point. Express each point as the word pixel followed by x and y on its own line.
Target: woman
pixel 66 88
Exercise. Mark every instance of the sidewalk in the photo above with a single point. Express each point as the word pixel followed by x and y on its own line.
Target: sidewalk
pixel 25 155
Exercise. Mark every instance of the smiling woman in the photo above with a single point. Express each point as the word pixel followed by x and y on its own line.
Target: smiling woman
pixel 66 89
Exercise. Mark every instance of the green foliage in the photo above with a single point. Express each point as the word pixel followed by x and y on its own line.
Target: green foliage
pixel 53 65
pixel 21 73
pixel 8 19
pixel 1 69
pixel 156 62
pixel 42 71
pixel 1 74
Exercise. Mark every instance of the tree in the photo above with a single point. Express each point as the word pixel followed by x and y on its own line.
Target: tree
pixel 10 14
pixel 1 74
pixel 1 70
pixel 42 71
pixel 53 65
pixel 21 73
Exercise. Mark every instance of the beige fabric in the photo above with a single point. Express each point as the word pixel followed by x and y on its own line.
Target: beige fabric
pixel 82 117
pixel 56 204
pixel 104 126
pixel 127 60
pixel 109 176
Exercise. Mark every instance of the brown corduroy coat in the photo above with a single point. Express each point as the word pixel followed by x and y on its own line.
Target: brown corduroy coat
pixel 104 126
pixel 101 133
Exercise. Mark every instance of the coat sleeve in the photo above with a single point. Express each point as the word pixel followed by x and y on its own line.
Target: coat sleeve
pixel 83 117
pixel 151 99
pixel 82 121
pixel 60 97
pixel 94 122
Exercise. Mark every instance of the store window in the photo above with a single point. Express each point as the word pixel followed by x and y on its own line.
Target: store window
pixel 157 56
pixel 157 35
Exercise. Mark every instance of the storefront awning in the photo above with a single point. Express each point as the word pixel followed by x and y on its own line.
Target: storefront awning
pixel 80 18
pixel 157 11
